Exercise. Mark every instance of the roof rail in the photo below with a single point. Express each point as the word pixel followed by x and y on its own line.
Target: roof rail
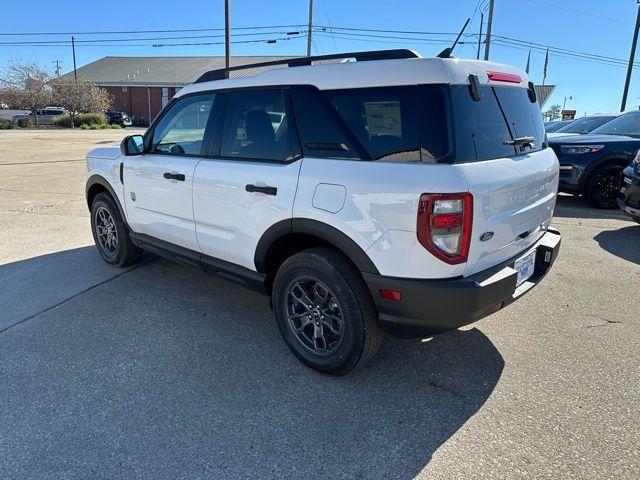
pixel 223 73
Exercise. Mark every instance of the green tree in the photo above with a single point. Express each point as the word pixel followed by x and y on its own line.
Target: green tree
pixel 554 113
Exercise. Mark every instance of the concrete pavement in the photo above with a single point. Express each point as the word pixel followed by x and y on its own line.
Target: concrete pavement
pixel 161 371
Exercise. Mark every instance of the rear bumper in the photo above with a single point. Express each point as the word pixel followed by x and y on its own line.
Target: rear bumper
pixel 429 307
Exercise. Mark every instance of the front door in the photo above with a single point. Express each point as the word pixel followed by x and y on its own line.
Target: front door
pixel 159 184
pixel 251 184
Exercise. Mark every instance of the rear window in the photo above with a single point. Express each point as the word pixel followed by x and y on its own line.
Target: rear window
pixel 502 114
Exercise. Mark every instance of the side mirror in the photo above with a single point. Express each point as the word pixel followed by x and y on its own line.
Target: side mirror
pixel 132 145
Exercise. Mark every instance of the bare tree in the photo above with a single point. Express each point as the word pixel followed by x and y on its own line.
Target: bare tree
pixel 26 86
pixel 80 96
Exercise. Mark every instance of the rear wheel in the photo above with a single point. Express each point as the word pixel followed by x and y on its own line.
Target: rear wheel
pixel 110 233
pixel 602 186
pixel 325 312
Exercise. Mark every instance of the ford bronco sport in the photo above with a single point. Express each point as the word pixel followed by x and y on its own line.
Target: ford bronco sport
pixel 388 193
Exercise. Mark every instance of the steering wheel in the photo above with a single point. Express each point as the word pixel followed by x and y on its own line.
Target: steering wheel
pixel 176 149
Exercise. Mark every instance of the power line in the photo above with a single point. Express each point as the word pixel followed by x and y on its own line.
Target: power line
pixel 579 12
pixel 189 37
pixel 122 32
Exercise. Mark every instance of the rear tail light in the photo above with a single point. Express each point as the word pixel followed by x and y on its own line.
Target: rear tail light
pixel 444 225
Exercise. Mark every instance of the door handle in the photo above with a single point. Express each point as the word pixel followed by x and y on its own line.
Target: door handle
pixel 174 176
pixel 266 190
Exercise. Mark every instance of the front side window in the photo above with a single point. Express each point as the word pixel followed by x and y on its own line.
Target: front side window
pixel 384 120
pixel 258 126
pixel 181 130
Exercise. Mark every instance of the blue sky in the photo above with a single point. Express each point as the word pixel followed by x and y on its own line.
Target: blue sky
pixel 603 27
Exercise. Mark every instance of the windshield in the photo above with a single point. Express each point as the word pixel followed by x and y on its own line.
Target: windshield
pixel 557 126
pixel 627 124
pixel 585 124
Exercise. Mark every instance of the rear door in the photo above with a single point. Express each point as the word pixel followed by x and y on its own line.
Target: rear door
pixel 159 184
pixel 514 186
pixel 250 182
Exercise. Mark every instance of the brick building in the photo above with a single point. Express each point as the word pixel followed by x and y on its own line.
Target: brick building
pixel 141 86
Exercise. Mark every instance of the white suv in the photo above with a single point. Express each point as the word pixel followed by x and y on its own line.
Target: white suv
pixel 389 194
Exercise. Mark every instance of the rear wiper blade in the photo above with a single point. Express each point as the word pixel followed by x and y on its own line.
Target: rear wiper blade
pixel 521 141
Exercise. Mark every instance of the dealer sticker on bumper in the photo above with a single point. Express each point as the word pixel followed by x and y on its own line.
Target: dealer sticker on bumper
pixel 525 266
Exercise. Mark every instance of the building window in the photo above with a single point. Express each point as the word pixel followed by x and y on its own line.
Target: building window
pixel 165 96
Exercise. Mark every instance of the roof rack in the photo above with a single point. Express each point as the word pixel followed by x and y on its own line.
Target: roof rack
pixel 223 73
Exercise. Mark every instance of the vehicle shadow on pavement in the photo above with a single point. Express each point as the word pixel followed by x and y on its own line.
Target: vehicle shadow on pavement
pixel 165 372
pixel 623 242
pixel 569 206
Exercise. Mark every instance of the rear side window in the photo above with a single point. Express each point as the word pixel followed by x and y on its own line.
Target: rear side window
pixel 258 125
pixel 384 120
pixel 321 135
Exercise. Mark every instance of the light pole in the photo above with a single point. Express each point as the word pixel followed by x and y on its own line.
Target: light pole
pixel 632 55
pixel 564 104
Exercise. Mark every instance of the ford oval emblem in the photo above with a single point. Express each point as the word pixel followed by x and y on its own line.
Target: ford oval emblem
pixel 486 236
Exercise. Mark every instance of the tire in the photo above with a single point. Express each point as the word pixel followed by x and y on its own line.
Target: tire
pixel 602 186
pixel 329 281
pixel 117 249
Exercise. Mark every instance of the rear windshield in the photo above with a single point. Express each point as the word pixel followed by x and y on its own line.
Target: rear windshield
pixel 483 128
pixel 584 125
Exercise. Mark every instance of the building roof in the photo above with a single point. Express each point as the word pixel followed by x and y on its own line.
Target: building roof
pixel 157 71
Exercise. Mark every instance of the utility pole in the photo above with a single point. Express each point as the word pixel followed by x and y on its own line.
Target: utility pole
pixel 57 62
pixel 487 43
pixel 623 106
pixel 310 28
pixel 227 36
pixel 73 49
pixel 480 35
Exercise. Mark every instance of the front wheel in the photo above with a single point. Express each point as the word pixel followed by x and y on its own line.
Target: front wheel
pixel 324 312
pixel 110 233
pixel 602 186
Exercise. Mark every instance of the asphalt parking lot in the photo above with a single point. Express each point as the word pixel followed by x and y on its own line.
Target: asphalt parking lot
pixel 162 372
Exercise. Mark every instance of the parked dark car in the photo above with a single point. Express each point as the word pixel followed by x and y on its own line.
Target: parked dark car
pixel 629 195
pixel 554 126
pixel 119 118
pixel 584 125
pixel 592 164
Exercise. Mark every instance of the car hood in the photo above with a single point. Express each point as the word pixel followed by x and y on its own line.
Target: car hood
pixel 108 153
pixel 592 139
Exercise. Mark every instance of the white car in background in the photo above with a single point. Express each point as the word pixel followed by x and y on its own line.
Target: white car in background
pixel 46 115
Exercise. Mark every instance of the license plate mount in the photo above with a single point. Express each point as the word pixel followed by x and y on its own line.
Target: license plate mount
pixel 525 267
